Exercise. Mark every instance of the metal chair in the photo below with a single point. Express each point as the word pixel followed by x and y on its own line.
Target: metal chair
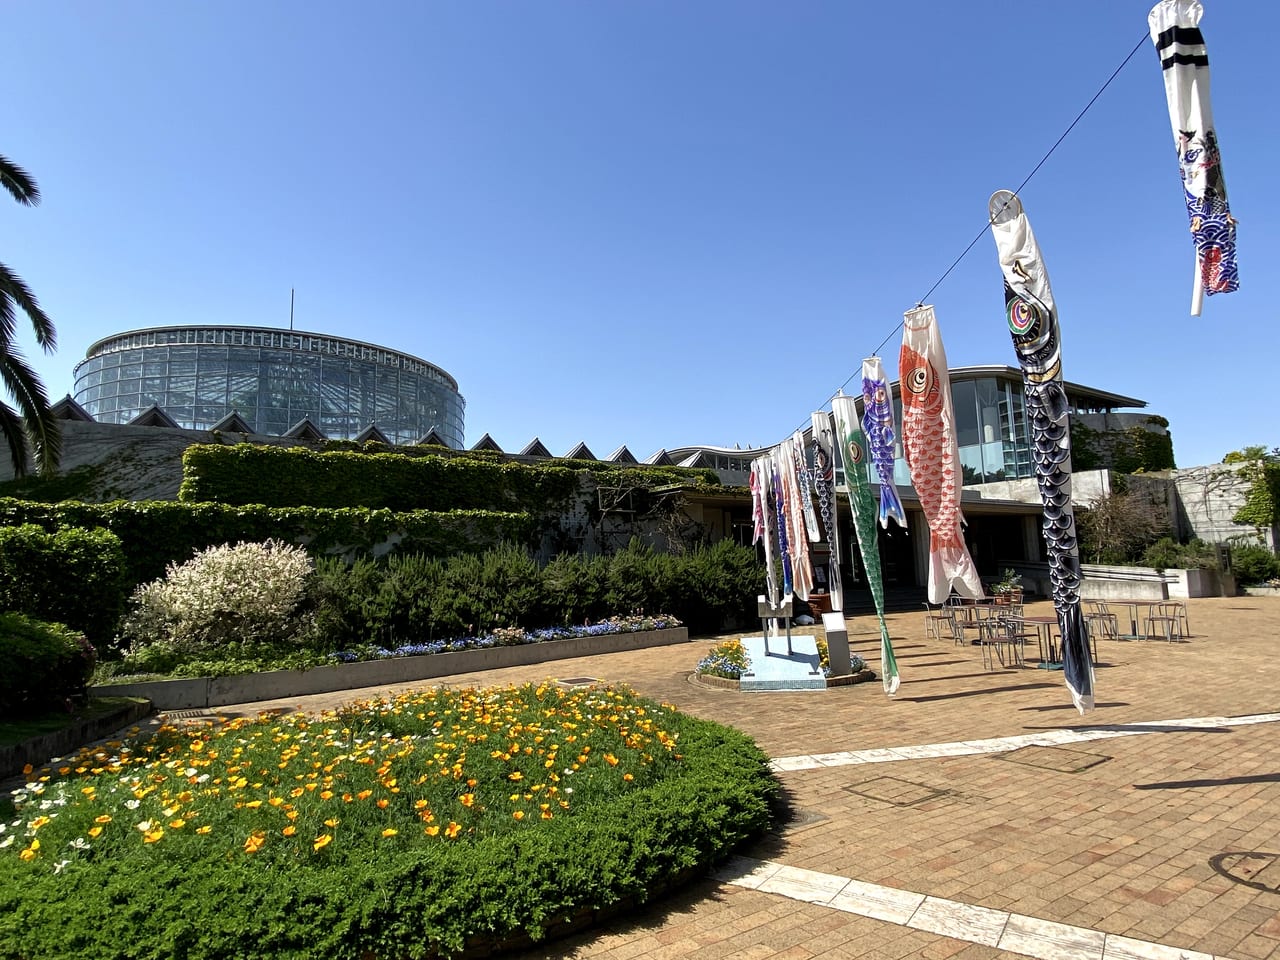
pixel 1101 622
pixel 998 636
pixel 935 619
pixel 1165 620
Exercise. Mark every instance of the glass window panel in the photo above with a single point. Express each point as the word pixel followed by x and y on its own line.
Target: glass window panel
pixel 965 405
pixel 182 353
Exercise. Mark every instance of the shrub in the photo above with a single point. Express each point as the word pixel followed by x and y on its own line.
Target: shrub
pixel 1253 564
pixel 726 659
pixel 42 665
pixel 72 576
pixel 245 597
pixel 1167 554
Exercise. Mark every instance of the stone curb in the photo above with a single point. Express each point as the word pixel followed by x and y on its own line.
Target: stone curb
pixel 38 750
pixel 247 688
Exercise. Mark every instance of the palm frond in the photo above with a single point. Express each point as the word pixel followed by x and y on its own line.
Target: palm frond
pixel 18 182
pixel 41 426
pixel 13 290
pixel 15 435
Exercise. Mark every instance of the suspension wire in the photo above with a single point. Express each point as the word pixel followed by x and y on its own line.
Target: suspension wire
pixel 978 236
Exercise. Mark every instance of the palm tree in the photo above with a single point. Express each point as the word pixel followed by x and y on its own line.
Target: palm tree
pixel 32 423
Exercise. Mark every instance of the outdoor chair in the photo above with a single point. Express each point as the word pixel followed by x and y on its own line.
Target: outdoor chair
pixel 1165 620
pixel 1101 622
pixel 935 621
pixel 999 637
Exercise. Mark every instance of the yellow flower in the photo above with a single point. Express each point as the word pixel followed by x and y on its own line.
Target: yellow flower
pixel 332 822
pixel 253 843
pixel 290 830
pixel 389 832
pixel 203 830
pixel 254 804
pixel 363 794
pixel 627 777
pixel 153 836
pixel 291 814
pixel 382 803
pixel 321 842
pixel 432 830
pixel 95 831
pixel 39 822
pixel 467 799
pixel 518 815
pixel 326 794
pixel 28 853
pixel 452 829
pixel 610 759
pixel 517 775
pixel 177 824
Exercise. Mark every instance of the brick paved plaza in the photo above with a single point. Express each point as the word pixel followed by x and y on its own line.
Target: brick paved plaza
pixel 1163 833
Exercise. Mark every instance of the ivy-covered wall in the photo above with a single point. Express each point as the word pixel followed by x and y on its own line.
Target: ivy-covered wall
pixel 250 473
pixel 1140 448
pixel 1261 507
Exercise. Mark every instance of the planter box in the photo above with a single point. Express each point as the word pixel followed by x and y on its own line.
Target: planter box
pixel 246 688
pixel 61 742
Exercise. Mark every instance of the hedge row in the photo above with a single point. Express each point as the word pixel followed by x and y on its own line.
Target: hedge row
pixel 72 576
pixel 154 534
pixel 296 476
pixel 42 665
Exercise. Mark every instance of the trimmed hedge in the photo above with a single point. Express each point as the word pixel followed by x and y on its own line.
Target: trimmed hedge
pixel 42 665
pixel 72 576
pixel 295 476
pixel 154 534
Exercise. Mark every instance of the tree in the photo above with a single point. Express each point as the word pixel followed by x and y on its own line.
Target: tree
pixel 1117 528
pixel 31 428
pixel 1255 452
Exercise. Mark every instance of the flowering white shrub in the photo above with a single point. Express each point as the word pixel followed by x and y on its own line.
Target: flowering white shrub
pixel 247 595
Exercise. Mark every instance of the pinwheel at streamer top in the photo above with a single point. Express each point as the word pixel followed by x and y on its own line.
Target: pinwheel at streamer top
pixel 854 453
pixel 824 484
pixel 1033 322
pixel 929 442
pixel 1175 30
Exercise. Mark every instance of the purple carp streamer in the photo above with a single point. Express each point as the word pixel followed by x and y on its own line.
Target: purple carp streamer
pixel 929 441
pixel 877 423
pixel 1175 31
pixel 1033 322
pixel 824 484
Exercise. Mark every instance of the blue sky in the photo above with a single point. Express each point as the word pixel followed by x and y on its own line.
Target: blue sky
pixel 652 223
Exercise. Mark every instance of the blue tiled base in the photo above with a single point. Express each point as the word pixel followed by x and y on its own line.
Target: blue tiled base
pixel 776 670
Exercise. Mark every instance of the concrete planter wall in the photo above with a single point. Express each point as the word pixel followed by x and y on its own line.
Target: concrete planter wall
pixel 247 688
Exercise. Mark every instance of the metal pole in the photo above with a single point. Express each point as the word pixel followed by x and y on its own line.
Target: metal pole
pixel 291 308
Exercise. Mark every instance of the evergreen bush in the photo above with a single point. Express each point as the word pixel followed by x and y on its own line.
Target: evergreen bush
pixel 42 665
pixel 1254 564
pixel 72 576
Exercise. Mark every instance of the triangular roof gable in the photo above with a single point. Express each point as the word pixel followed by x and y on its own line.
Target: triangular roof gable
pixel 234 423
pixel 535 448
pixel 68 409
pixel 622 455
pixel 698 459
pixel 660 459
pixel 432 439
pixel 371 432
pixel 304 429
pixel 153 416
pixel 580 452
pixel 487 443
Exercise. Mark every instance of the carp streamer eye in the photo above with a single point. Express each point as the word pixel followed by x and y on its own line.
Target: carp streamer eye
pixel 855 451
pixel 1023 317
pixel 918 380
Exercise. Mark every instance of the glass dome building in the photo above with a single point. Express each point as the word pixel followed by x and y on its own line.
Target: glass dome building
pixel 273 379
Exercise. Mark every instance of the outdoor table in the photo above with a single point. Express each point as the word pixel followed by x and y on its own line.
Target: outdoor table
pixel 1134 620
pixel 1044 637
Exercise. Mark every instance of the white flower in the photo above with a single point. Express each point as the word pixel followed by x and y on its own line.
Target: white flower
pixel 57 867
pixel 568 789
pixel 132 804
pixel 144 826
pixel 6 841
pixel 79 843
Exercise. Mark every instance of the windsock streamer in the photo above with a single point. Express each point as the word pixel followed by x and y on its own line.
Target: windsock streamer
pixel 762 515
pixel 824 484
pixel 929 441
pixel 877 422
pixel 1033 322
pixel 853 450
pixel 1175 31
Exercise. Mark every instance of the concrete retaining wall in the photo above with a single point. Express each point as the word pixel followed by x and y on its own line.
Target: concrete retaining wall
pixel 247 688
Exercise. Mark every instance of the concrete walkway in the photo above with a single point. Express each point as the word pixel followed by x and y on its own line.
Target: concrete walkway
pixel 976 814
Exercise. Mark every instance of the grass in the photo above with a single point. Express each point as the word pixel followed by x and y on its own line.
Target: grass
pixel 410 827
pixel 13 732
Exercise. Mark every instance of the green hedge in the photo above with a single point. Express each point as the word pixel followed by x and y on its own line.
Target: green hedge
pixel 72 576
pixel 295 476
pixel 411 599
pixel 154 534
pixel 42 665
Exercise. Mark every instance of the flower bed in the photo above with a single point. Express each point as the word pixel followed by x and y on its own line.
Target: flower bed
pixel 419 826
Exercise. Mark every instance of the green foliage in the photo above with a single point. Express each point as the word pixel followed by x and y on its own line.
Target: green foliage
pixel 1168 554
pixel 285 477
pixel 727 659
pixel 1117 528
pixel 367 894
pixel 1129 450
pixel 414 599
pixel 1255 452
pixel 243 598
pixel 75 484
pixel 156 533
pixel 1260 508
pixel 73 576
pixel 1254 564
pixel 41 665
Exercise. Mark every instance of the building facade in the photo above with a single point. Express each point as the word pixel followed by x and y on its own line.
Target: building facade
pixel 273 379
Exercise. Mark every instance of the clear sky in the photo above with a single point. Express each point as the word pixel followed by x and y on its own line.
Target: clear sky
pixel 655 222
